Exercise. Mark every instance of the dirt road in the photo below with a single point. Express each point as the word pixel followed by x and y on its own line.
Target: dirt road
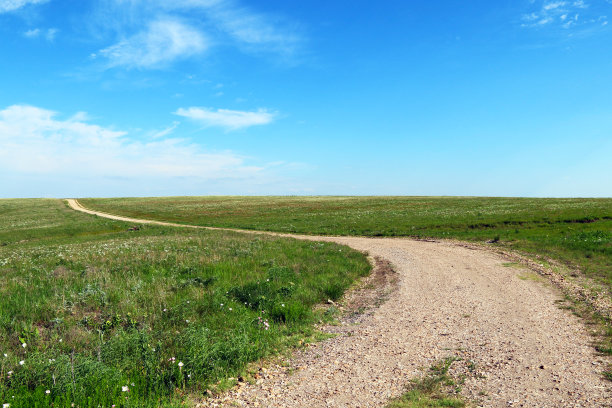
pixel 518 347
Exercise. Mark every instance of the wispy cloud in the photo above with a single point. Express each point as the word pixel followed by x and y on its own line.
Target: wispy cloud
pixel 228 119
pixel 12 5
pixel 199 24
pixel 257 32
pixel 35 142
pixel 51 33
pixel 162 42
pixel 48 34
pixel 566 14
pixel 35 32
pixel 165 132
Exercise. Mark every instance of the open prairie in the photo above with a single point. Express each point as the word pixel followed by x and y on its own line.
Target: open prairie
pixel 97 311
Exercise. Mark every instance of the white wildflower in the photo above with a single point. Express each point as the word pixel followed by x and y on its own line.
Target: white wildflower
pixel 24 345
pixel 124 388
pixel 22 362
pixel 48 392
pixel 180 364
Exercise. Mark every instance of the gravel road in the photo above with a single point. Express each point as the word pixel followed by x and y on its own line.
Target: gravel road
pixel 522 350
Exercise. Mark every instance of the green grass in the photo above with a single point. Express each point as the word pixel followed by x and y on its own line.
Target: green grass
pixel 100 308
pixel 31 220
pixel 435 389
pixel 577 232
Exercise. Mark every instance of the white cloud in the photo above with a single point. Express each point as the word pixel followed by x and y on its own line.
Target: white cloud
pixel 48 34
pixel 32 33
pixel 244 24
pixel 565 14
pixel 51 33
pixel 11 5
pixel 165 132
pixel 190 22
pixel 256 31
pixel 228 119
pixel 164 41
pixel 36 143
pixel 553 5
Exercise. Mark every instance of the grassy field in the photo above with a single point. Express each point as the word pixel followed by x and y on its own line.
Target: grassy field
pixel 32 220
pixel 577 232
pixel 92 314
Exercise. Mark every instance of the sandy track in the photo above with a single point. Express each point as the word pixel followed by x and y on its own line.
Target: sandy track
pixel 451 301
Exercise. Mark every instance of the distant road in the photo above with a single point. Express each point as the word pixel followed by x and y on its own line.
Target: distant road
pixel 75 205
pixel 451 300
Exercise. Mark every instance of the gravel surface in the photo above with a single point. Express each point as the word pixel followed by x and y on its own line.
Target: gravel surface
pixel 451 300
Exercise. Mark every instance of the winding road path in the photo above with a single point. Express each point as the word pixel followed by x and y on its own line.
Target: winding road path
pixel 518 348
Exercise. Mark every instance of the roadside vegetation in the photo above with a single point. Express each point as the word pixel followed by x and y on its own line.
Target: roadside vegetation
pixel 92 314
pixel 435 389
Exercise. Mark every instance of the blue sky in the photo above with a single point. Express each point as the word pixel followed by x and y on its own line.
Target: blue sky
pixel 199 97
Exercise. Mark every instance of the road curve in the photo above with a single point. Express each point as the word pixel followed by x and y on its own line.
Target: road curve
pixel 518 348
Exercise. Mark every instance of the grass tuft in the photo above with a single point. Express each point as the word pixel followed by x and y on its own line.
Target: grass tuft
pixel 435 389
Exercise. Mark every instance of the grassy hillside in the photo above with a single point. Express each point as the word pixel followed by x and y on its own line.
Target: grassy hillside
pixel 92 314
pixel 574 231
